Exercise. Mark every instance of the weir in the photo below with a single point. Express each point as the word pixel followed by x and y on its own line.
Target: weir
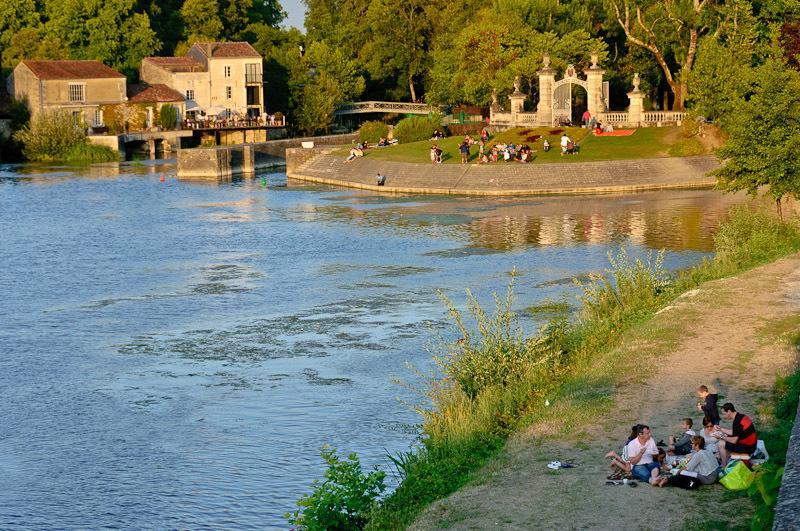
pixel 224 162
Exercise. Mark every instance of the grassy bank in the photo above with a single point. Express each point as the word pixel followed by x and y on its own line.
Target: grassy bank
pixel 644 143
pixel 495 381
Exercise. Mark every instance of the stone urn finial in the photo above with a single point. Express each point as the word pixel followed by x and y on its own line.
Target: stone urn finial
pixel 636 82
pixel 595 58
pixel 546 59
pixel 495 102
pixel 517 83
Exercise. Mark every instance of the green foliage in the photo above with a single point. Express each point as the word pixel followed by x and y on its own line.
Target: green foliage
pixel 373 131
pixel 202 20
pixel 344 500
pixel 750 238
pixel 686 148
pixel 765 135
pixel 50 136
pixel 415 128
pixel 168 117
pixel 89 154
pixel 54 136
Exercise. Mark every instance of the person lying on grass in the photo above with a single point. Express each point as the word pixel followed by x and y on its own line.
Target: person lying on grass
pixel 641 453
pixel 702 462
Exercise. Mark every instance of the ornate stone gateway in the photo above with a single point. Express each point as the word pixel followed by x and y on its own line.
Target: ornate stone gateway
pixel 562 96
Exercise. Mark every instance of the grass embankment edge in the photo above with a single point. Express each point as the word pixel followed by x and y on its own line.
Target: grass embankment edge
pixel 494 382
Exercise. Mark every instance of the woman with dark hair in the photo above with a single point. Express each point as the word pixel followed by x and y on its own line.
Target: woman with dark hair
pixel 620 463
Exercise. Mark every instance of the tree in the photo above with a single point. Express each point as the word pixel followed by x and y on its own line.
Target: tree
pixel 399 43
pixel 321 79
pixel 201 20
pixel 14 17
pixel 765 135
pixel 670 30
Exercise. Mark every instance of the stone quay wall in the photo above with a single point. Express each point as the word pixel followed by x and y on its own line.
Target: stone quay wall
pixel 787 513
pixel 215 163
pixel 499 179
pixel 277 148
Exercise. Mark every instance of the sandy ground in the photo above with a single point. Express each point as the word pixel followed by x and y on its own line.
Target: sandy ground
pixel 730 334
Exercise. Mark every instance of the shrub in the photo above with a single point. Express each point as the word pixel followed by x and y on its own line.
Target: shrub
pixel 749 238
pixel 417 128
pixel 50 136
pixel 373 131
pixel 344 500
pixel 89 154
pixel 168 117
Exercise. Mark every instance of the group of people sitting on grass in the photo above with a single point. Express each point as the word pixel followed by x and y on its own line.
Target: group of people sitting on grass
pixel 690 459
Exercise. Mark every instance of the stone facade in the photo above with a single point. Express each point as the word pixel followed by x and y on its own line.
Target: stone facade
pixel 79 87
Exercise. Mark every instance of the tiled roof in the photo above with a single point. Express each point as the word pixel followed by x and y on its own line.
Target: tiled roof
pixel 177 64
pixel 227 49
pixel 71 70
pixel 155 93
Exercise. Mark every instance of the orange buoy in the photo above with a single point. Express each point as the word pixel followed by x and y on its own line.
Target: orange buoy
pixel 162 178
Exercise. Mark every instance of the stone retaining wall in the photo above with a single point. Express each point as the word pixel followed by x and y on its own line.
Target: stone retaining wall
pixel 787 513
pixel 277 148
pixel 215 163
pixel 505 178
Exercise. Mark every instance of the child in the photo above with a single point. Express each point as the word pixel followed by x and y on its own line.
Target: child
pixel 546 145
pixel 683 444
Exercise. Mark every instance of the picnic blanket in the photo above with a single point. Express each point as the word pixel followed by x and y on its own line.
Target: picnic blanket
pixel 618 132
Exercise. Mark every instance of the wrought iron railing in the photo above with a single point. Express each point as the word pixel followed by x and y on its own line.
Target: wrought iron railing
pixel 385 106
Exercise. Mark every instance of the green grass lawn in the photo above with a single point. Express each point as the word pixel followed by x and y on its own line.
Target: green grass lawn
pixel 644 143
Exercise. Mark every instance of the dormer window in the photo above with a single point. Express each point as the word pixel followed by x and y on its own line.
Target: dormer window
pixel 227 71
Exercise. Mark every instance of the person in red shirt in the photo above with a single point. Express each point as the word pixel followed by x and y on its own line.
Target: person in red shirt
pixel 740 439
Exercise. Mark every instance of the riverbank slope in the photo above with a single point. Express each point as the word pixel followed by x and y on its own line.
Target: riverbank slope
pixel 502 179
pixel 729 334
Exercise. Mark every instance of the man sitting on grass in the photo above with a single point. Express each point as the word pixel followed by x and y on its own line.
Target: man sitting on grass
pixel 740 439
pixel 641 451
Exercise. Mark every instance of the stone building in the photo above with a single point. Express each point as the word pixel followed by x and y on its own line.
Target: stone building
pixel 80 87
pixel 216 78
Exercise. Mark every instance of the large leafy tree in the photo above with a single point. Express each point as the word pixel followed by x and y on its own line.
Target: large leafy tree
pixel 670 30
pixel 764 134
pixel 321 79
pixel 201 19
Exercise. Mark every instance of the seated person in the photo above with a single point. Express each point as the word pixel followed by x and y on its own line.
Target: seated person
pixel 484 159
pixel 546 145
pixel 598 128
pixel 682 445
pixel 641 453
pixel 608 128
pixel 383 142
pixel 702 462
pixel 707 433
pixel 740 439
pixel 620 465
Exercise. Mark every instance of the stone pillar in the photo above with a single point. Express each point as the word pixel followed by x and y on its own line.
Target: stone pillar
pixel 248 159
pixel 547 78
pixel 594 79
pixel 636 108
pixel 517 99
pixel 151 144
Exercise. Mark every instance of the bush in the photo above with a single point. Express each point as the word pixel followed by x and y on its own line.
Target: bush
pixel 344 500
pixel 89 154
pixel 749 238
pixel 373 131
pixel 168 117
pixel 417 128
pixel 50 136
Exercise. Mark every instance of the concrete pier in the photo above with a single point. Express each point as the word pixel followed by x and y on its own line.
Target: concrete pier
pixel 216 163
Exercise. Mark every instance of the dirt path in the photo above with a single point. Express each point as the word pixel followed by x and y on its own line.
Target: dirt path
pixel 729 334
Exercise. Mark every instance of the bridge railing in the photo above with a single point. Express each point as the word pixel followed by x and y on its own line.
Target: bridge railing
pixel 385 106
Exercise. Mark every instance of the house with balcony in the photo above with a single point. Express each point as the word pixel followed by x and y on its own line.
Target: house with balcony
pixel 82 88
pixel 216 79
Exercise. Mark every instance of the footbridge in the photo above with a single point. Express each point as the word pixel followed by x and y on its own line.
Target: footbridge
pixel 363 107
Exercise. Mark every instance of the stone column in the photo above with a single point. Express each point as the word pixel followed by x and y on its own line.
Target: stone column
pixel 594 79
pixel 636 108
pixel 547 78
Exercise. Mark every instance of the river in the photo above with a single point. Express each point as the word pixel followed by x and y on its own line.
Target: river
pixel 174 354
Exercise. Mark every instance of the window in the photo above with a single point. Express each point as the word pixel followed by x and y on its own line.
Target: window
pixel 76 92
pixel 98 118
pixel 77 116
pixel 227 71
pixel 228 92
pixel 252 73
pixel 190 94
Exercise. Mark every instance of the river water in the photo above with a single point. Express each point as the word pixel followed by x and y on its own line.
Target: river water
pixel 175 354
